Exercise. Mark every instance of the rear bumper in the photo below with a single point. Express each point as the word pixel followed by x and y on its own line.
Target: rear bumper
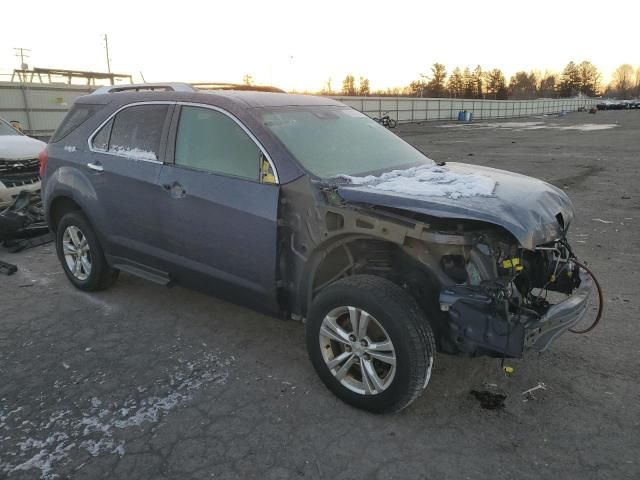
pixel 560 317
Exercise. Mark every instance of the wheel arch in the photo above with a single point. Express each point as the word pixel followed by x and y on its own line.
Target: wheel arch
pixel 353 253
pixel 58 208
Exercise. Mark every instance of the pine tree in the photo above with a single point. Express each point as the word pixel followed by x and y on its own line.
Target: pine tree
pixel 496 84
pixel 455 85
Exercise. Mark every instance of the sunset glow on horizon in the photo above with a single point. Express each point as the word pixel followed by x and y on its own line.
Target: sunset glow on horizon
pixel 301 45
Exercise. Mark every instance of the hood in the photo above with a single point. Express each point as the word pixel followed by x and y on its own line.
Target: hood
pixel 19 147
pixel 524 206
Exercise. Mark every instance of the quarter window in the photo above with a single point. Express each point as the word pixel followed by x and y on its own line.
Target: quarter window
pixel 101 140
pixel 209 140
pixel 78 114
pixel 135 132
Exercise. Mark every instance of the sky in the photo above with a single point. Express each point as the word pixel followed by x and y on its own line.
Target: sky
pixel 301 44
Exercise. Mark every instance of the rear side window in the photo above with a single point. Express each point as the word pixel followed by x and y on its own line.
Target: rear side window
pixel 101 139
pixel 134 132
pixel 209 140
pixel 78 114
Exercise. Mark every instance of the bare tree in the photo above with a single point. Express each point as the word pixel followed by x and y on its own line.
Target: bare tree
pixel 589 78
pixel 349 85
pixel 547 85
pixel 523 86
pixel 623 80
pixel 247 79
pixel 363 86
pixel 326 89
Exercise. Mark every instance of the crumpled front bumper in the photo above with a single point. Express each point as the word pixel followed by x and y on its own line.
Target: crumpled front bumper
pixel 476 325
pixel 560 317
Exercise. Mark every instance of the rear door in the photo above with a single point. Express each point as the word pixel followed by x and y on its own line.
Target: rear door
pixel 126 160
pixel 220 206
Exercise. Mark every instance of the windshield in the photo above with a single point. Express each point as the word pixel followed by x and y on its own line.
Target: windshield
pixel 330 141
pixel 6 129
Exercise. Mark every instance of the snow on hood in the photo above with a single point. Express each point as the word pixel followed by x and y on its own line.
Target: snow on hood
pixel 429 181
pixel 525 206
pixel 19 147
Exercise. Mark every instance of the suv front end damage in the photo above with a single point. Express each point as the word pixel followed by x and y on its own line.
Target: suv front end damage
pixel 485 292
pixel 510 313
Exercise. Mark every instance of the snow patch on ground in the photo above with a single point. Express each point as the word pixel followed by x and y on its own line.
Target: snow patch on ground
pixel 518 126
pixel 44 445
pixel 588 127
pixel 428 181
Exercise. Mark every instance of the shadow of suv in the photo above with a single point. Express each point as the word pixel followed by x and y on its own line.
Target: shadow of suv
pixel 305 208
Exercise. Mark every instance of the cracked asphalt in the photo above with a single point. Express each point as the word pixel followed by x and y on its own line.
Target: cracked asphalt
pixel 142 382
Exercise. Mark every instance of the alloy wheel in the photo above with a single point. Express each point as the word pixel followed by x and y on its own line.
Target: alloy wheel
pixel 77 255
pixel 357 350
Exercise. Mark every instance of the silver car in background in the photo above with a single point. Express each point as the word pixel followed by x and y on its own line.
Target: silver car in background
pixel 19 167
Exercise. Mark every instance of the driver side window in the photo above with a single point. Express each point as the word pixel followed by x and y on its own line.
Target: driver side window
pixel 211 141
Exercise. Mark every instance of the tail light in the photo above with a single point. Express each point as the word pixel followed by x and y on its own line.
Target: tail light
pixel 43 157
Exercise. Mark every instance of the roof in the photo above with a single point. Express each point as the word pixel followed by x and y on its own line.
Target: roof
pixel 268 99
pixel 183 91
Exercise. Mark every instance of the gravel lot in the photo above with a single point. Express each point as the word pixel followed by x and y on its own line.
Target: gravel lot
pixel 146 382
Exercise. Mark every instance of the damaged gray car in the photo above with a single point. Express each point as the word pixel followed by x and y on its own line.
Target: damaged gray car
pixel 305 208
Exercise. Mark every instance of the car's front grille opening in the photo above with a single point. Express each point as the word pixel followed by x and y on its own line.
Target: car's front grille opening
pixel 19 173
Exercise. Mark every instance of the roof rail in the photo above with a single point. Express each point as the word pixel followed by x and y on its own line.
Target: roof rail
pixel 138 87
pixel 236 86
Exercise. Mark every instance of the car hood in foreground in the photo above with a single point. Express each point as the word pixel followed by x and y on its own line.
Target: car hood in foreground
pixel 19 147
pixel 526 207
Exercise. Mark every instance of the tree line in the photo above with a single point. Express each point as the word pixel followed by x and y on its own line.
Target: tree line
pixel 582 78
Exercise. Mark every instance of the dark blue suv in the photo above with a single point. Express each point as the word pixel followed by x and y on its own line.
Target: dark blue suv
pixel 305 208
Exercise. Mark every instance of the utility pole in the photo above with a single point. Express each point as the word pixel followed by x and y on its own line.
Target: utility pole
pixel 106 47
pixel 21 52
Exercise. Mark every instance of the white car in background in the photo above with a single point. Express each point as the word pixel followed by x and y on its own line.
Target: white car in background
pixel 19 165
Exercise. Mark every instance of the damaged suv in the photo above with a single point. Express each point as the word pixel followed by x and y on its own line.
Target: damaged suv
pixel 306 208
pixel 18 163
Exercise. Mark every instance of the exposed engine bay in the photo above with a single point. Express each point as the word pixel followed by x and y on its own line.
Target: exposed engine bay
pixel 504 295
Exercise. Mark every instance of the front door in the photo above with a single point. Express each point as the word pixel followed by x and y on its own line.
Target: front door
pixel 220 208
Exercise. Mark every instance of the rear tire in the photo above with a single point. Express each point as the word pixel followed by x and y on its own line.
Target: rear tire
pixel 81 255
pixel 370 343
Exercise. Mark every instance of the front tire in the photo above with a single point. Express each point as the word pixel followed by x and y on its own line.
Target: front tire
pixel 392 123
pixel 370 343
pixel 81 255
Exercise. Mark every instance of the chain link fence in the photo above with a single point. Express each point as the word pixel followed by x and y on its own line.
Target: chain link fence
pixel 406 109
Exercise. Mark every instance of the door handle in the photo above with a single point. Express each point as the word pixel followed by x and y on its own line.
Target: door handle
pixel 95 166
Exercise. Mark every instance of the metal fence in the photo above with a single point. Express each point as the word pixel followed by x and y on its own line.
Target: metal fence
pixel 38 107
pixel 41 107
pixel 405 109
